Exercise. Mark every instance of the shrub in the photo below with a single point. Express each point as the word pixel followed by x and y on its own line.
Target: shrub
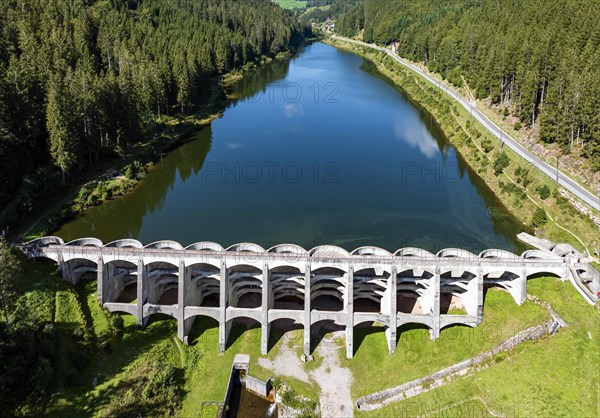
pixel 560 199
pixel 539 218
pixel 135 170
pixel 163 384
pixel 487 145
pixel 512 188
pixel 506 112
pixel 500 163
pixel 522 176
pixel 195 354
pixel 518 126
pixel 544 192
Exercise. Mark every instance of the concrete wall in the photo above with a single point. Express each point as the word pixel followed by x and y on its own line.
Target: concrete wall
pixel 258 386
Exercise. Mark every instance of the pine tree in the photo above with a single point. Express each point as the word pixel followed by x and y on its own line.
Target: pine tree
pixel 63 142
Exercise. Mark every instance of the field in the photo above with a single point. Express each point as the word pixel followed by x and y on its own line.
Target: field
pixel 291 4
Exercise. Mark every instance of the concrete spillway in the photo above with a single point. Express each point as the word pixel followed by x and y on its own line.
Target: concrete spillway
pixel 288 282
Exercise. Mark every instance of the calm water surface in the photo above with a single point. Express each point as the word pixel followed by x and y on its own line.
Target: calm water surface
pixel 317 150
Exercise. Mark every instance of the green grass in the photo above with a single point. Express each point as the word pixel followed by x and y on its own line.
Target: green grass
pixel 557 376
pixel 290 4
pixel 97 316
pixel 90 349
pixel 114 365
pixel 68 312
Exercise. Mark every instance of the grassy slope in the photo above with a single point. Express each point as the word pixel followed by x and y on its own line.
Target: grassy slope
pixel 207 378
pixel 558 376
pixel 118 363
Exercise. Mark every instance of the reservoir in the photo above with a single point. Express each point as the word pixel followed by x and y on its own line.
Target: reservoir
pixel 319 149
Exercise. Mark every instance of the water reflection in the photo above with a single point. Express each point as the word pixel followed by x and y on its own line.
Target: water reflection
pixel 257 84
pixel 372 168
pixel 418 138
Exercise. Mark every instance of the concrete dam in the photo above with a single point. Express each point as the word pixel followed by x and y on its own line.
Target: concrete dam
pixel 287 282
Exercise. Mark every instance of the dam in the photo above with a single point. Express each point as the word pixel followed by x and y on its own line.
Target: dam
pixel 288 282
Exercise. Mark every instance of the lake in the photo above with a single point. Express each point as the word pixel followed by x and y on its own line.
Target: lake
pixel 319 149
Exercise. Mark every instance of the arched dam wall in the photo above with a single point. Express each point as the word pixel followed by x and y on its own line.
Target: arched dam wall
pixel 287 282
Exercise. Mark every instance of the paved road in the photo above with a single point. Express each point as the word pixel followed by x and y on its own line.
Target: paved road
pixel 556 175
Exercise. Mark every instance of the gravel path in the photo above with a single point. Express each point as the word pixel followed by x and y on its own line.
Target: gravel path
pixel 333 380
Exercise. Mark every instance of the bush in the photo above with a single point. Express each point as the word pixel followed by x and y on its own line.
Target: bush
pixel 560 199
pixel 500 163
pixel 135 170
pixel 539 218
pixel 518 126
pixel 195 354
pixel 506 112
pixel 163 384
pixel 522 176
pixel 487 145
pixel 512 188
pixel 544 192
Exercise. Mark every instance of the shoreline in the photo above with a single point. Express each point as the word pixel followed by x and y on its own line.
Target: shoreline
pixel 479 149
pixel 180 130
pixel 109 182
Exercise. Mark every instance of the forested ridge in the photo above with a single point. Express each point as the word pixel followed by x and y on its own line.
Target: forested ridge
pixel 83 79
pixel 538 60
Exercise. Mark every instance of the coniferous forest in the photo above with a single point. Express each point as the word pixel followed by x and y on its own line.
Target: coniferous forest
pixel 83 79
pixel 540 59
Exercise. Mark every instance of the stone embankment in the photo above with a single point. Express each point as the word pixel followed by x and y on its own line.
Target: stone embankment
pixel 464 368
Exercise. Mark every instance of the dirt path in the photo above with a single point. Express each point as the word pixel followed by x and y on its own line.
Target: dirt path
pixel 333 380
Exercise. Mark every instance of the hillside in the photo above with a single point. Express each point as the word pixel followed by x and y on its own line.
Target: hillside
pixel 533 62
pixel 83 81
